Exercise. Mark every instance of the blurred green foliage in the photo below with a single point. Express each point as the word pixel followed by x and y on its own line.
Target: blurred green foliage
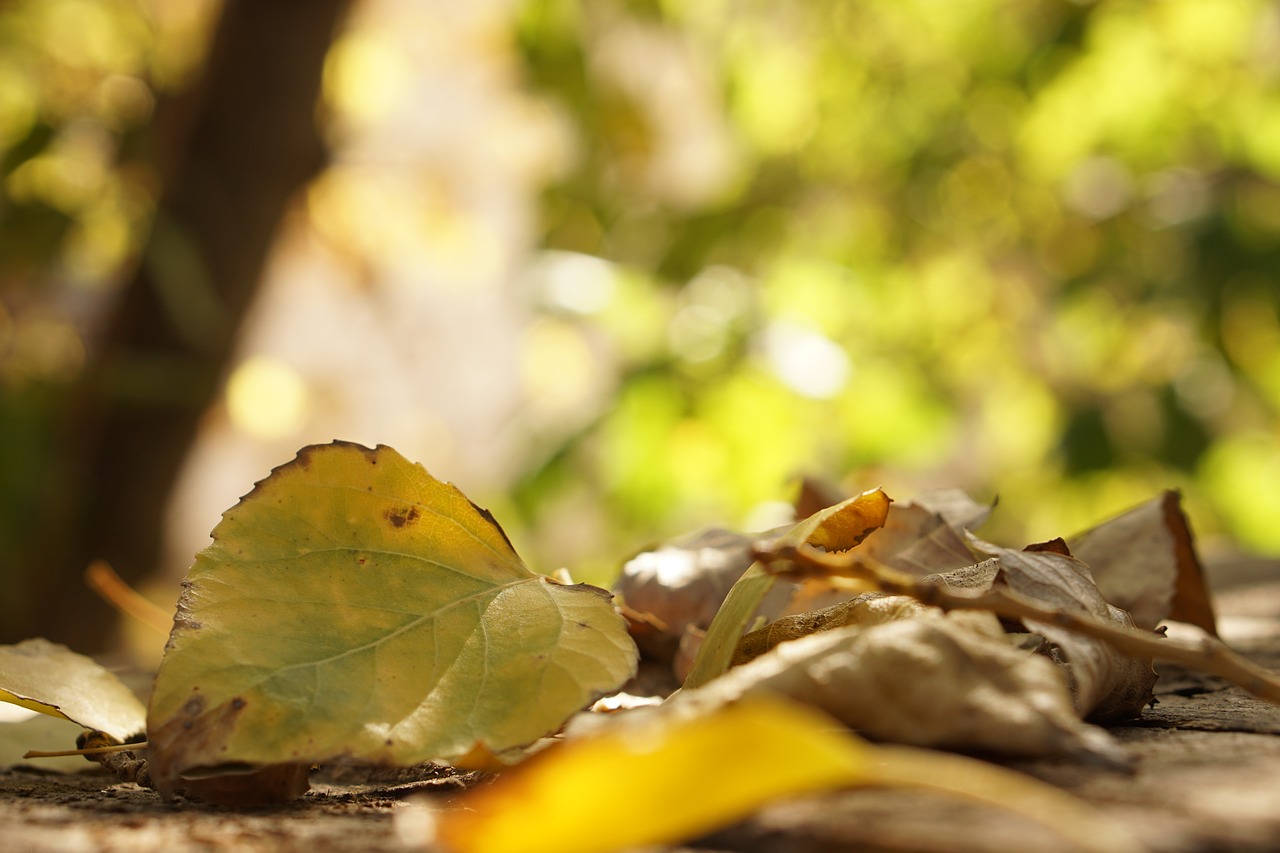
pixel 1025 246
pixel 1028 247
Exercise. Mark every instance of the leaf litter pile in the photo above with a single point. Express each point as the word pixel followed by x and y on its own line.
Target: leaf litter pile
pixel 353 610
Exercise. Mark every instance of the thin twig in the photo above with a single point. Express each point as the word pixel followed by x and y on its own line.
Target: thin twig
pixel 1208 655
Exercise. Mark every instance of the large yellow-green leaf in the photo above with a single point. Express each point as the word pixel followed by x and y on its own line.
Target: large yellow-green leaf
pixel 54 680
pixel 353 605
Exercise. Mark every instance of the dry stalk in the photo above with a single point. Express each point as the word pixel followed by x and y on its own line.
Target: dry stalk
pixel 120 758
pixel 1208 655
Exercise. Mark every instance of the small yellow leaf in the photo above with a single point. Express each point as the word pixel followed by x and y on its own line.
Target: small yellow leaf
pixel 657 782
pixel 844 525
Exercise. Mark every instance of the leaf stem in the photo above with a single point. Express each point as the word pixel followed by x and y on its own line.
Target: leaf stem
pixel 103 580
pixel 92 750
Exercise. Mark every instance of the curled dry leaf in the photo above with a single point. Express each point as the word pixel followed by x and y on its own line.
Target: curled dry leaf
pixel 911 675
pixel 353 606
pixel 52 679
pixel 865 609
pixel 1145 562
pixel 922 536
pixel 926 535
pixel 1108 685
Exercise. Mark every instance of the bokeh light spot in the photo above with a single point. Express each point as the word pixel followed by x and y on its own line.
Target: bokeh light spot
pixel 267 398
pixel 807 362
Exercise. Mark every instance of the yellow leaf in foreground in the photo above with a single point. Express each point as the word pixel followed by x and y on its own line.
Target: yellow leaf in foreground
pixel 52 679
pixel 674 776
pixel 352 605
pixel 655 783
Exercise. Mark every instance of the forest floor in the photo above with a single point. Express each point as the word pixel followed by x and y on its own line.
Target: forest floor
pixel 1207 779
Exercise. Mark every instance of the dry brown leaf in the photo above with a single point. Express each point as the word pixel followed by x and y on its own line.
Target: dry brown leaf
pixel 815 495
pixel 866 609
pixel 1107 686
pixel 929 680
pixel 681 584
pixel 926 535
pixel 1207 654
pixel 870 608
pixel 1144 561
pixel 921 537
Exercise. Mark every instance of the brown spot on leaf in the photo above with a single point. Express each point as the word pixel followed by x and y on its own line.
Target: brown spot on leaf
pixel 194 706
pixel 402 516
pixel 237 703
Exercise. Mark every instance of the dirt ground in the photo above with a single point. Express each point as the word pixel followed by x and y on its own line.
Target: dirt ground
pixel 1207 779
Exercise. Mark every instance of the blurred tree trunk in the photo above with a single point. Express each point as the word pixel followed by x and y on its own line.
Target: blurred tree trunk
pixel 242 144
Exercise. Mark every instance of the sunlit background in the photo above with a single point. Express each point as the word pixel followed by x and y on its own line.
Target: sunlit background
pixel 624 269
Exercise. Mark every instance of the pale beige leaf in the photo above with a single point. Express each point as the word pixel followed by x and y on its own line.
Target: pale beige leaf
pixel 52 679
pixel 864 610
pixel 929 680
